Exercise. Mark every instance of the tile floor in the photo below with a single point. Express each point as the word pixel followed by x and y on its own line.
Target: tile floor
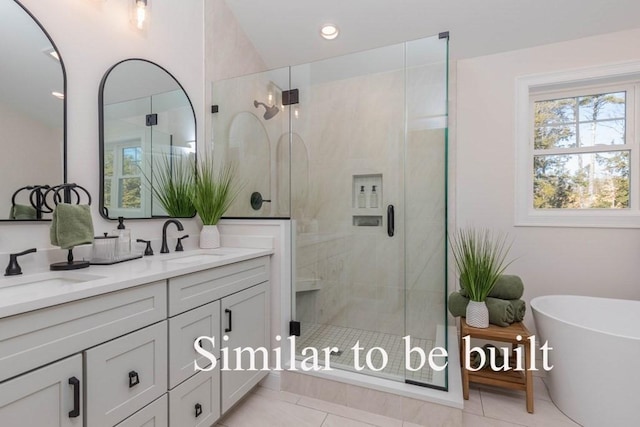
pixel 486 407
pixel 323 336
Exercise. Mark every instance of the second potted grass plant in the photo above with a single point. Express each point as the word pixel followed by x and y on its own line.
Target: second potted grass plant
pixel 212 193
pixel 480 257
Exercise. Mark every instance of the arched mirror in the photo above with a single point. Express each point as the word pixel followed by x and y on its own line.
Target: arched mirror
pixel 147 136
pixel 32 114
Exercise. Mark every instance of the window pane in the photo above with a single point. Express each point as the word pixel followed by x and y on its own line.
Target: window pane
pixel 555 111
pixel 108 163
pixel 129 195
pixel 561 136
pixel 131 160
pixel 608 132
pixel 107 193
pixel 581 181
pixel 602 106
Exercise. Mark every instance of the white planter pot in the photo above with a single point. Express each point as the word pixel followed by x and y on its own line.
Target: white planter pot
pixel 477 314
pixel 209 237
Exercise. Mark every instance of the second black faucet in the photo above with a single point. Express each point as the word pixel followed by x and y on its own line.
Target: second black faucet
pixel 165 247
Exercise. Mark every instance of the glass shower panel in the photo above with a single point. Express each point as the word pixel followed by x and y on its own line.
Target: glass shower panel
pixel 247 130
pixel 425 215
pixel 349 274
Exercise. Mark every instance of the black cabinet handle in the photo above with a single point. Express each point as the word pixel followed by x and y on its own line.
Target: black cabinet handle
pixel 76 397
pixel 226 310
pixel 198 410
pixel 133 379
pixel 391 221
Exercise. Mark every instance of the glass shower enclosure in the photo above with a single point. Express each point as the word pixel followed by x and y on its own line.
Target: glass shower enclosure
pixel 353 150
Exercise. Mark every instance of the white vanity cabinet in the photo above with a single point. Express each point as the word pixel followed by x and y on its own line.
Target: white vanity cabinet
pixel 126 358
pixel 236 304
pixel 47 397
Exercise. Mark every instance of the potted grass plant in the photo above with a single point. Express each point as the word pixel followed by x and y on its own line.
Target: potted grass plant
pixel 480 257
pixel 171 181
pixel 212 193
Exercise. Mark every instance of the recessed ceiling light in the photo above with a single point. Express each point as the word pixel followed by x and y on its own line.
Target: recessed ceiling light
pixel 58 95
pixel 329 31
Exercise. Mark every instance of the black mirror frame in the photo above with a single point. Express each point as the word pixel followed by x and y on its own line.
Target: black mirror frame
pixel 102 208
pixel 64 112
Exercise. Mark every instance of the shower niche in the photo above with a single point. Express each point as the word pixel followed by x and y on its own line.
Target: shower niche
pixel 366 200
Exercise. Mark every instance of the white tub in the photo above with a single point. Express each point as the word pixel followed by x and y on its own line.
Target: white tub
pixel 595 357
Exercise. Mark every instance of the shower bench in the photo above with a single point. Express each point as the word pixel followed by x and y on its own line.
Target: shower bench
pixel 512 379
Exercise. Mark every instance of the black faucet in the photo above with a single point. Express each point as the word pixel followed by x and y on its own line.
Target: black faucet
pixel 165 248
pixel 13 269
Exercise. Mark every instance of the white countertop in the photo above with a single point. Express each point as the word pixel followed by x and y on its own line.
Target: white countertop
pixel 44 288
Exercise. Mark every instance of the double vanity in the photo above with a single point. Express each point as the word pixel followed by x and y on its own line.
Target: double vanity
pixel 114 345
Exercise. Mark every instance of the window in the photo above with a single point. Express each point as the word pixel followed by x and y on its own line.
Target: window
pixel 580 152
pixel 577 151
pixel 123 177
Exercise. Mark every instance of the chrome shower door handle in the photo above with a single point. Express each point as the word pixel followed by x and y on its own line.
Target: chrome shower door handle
pixel 391 222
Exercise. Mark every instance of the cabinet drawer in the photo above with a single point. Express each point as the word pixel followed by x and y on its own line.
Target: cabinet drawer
pixel 183 331
pixel 196 289
pixel 125 374
pixel 45 397
pixel 196 402
pixel 33 339
pixel 155 414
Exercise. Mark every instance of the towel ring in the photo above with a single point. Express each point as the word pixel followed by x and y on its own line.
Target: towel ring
pixel 13 198
pixel 36 198
pixel 38 192
pixel 68 189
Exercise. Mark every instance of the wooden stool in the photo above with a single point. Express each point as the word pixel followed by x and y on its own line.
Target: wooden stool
pixel 516 380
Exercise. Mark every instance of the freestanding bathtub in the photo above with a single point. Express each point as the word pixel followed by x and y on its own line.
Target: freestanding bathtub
pixel 595 378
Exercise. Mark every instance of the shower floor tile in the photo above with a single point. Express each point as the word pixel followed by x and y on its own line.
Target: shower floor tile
pixel 322 336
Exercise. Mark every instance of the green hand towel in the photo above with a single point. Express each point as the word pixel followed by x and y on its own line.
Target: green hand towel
pixel 23 212
pixel 501 312
pixel 71 226
pixel 519 309
pixel 507 287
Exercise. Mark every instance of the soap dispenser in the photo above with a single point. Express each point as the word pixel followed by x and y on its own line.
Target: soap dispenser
pixel 362 198
pixel 124 238
pixel 373 198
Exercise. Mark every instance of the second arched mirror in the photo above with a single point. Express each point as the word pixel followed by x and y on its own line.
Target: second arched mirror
pixel 147 137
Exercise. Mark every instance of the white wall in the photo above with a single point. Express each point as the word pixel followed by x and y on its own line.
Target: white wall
pixel 91 36
pixel 39 161
pixel 585 261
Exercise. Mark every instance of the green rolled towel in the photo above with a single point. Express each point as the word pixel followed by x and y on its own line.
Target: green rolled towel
pixel 519 309
pixel 23 212
pixel 501 312
pixel 71 226
pixel 507 287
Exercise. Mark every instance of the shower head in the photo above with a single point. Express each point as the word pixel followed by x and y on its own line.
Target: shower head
pixel 269 112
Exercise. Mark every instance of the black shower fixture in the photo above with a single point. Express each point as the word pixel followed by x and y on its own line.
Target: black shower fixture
pixel 270 112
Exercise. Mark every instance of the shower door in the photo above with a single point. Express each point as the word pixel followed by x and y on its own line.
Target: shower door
pixel 368 203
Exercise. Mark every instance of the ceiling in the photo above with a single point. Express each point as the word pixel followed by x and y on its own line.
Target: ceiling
pixel 286 32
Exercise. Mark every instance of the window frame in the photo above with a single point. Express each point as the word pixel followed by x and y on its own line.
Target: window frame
pixel 604 79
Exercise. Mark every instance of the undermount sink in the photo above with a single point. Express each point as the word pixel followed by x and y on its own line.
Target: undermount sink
pixel 38 283
pixel 194 258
